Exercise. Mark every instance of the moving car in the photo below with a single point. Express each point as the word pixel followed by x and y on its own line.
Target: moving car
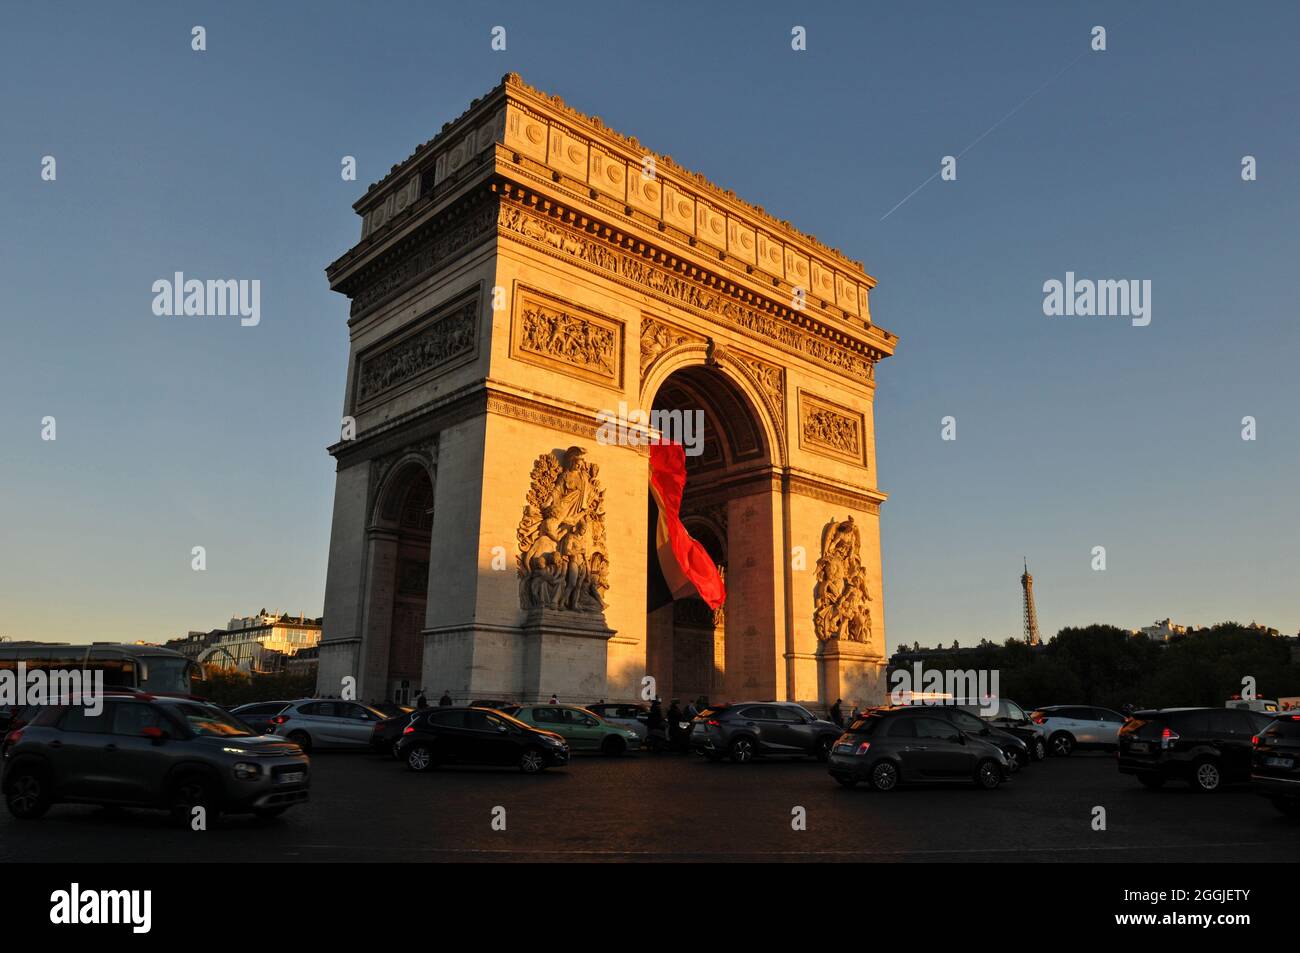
pixel 904 745
pixel 1275 772
pixel 1011 718
pixel 964 717
pixel 1206 747
pixel 385 735
pixel 582 729
pixel 478 736
pixel 327 723
pixel 625 715
pixel 749 730
pixel 1078 727
pixel 259 715
pixel 151 751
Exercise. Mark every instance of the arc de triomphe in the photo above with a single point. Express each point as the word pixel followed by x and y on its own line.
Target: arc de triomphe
pixel 519 274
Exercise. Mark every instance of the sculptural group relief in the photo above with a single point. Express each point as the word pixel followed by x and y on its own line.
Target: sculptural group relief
pixel 842 611
pixel 563 561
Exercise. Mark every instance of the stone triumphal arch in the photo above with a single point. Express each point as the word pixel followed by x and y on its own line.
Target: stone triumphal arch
pixel 520 277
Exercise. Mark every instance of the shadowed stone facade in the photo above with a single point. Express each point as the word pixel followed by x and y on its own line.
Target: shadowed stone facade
pixel 517 275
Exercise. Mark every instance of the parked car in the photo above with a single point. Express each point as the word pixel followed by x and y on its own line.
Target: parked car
pixel 13 717
pixel 1017 751
pixel 632 717
pixel 582 729
pixel 151 751
pixel 497 703
pixel 1078 727
pixel 1206 747
pixel 904 745
pixel 747 730
pixel 391 709
pixel 1275 772
pixel 327 723
pixel 259 715
pixel 385 734
pixel 461 735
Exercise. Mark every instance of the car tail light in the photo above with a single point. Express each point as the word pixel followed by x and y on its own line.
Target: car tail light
pixel 1037 718
pixel 1254 739
pixel 14 737
pixel 863 748
pixel 1168 737
pixel 713 723
pixel 279 719
pixel 408 730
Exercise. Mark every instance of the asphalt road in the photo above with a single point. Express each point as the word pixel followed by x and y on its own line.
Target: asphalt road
pixel 676 807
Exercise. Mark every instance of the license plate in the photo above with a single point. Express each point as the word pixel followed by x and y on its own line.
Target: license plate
pixel 1140 746
pixel 1279 762
pixel 291 777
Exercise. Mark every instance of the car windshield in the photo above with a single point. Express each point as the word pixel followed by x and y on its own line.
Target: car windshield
pixel 211 721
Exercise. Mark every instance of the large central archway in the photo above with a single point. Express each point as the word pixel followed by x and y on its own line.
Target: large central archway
pixel 691 650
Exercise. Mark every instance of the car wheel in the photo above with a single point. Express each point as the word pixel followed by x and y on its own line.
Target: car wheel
pixel 613 747
pixel 848 782
pixel 741 750
pixel 1152 781
pixel 302 740
pixel 1062 744
pixel 532 761
pixel 1206 776
pixel 824 748
pixel 988 775
pixel 884 776
pixel 269 813
pixel 1287 805
pixel 189 792
pixel 28 794
pixel 419 758
pixel 1039 749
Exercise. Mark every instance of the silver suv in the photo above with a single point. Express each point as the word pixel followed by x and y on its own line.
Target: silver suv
pixel 1071 727
pixel 150 751
pixel 327 723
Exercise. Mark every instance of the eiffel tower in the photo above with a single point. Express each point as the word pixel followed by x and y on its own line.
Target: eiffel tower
pixel 1031 614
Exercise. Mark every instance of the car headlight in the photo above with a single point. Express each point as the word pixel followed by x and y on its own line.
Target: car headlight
pixel 554 741
pixel 246 770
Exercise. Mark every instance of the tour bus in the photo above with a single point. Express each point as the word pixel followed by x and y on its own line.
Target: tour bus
pixel 146 668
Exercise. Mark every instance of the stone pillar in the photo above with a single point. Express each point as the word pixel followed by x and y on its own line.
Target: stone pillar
pixel 755 610
pixel 851 672
pixel 377 619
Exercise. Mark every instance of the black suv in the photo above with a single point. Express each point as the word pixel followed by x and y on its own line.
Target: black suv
pixel 748 730
pixel 1206 747
pixel 150 751
pixel 478 736
pixel 1276 770
pixel 966 718
pixel 900 745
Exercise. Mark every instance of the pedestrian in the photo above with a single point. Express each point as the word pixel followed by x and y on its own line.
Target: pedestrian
pixel 421 701
pixel 691 711
pixel 837 715
pixel 445 700
pixel 554 699
pixel 655 720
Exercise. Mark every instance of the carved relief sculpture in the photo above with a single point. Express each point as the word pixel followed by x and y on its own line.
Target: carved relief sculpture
pixel 448 337
pixel 841 599
pixel 563 560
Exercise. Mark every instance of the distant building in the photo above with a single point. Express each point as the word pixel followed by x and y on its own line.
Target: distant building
pixel 1161 631
pixel 265 642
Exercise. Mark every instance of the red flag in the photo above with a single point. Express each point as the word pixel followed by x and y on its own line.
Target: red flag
pixel 686 564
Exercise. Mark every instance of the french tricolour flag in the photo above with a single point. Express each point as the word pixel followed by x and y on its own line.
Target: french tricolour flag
pixel 686 565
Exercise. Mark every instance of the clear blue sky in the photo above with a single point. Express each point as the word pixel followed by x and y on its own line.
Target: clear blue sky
pixel 1072 432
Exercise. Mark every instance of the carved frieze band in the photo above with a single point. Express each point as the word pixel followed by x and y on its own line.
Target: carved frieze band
pixel 564 337
pixel 597 254
pixel 831 429
pixel 440 340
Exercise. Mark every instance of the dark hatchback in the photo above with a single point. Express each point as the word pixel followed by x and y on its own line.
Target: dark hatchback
pixel 1275 772
pixel 748 730
pixel 964 717
pixel 1206 747
pixel 386 733
pixel 151 751
pixel 438 736
pixel 904 745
